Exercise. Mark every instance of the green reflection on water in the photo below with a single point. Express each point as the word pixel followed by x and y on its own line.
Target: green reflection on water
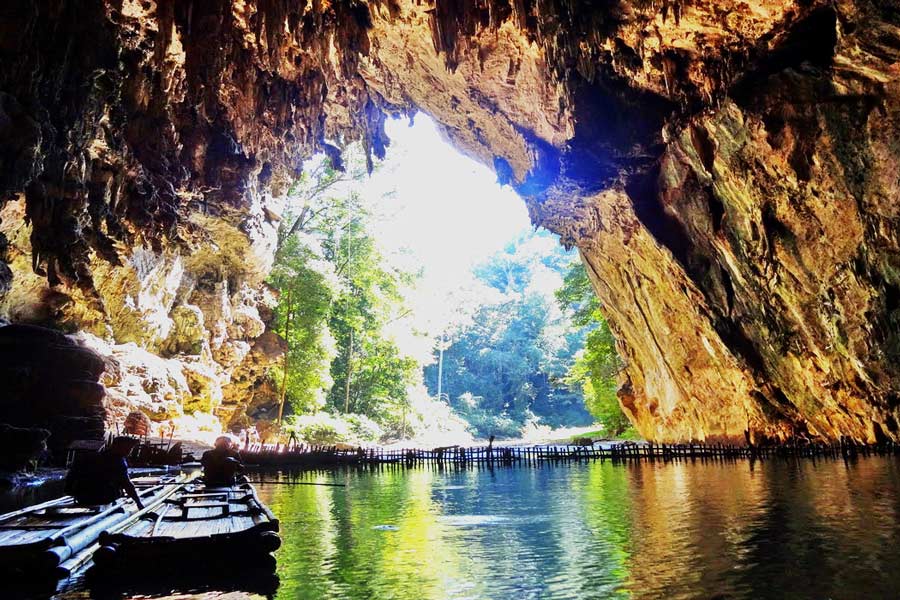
pixel 780 529
pixel 456 534
pixel 680 531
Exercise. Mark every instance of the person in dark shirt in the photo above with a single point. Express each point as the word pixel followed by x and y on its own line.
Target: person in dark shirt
pixel 101 478
pixel 222 463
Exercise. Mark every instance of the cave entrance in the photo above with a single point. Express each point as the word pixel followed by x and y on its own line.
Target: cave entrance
pixel 418 302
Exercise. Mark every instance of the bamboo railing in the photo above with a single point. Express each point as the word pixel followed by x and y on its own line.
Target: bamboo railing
pixel 331 456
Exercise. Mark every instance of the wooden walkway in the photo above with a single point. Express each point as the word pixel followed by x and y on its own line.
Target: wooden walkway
pixel 316 457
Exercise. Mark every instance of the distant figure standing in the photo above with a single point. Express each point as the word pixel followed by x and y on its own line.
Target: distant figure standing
pixel 222 463
pixel 101 477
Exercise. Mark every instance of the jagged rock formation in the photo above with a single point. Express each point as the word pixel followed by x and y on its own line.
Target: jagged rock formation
pixel 727 169
pixel 178 329
pixel 51 382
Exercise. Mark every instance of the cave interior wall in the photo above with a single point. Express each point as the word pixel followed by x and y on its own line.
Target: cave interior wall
pixel 728 171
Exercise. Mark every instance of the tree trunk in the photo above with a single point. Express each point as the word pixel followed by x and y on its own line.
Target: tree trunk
pixel 287 353
pixel 440 366
pixel 349 374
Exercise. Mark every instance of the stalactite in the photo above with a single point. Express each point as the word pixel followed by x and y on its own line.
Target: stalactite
pixel 729 175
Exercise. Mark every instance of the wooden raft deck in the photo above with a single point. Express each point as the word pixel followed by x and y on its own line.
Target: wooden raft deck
pixel 318 457
pixel 195 525
pixel 48 538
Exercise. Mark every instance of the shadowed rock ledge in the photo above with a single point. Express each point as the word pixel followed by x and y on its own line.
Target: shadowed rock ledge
pixel 728 170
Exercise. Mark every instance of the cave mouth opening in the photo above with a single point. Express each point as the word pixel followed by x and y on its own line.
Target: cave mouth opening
pixel 418 302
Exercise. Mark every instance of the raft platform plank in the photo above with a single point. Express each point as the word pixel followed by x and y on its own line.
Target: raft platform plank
pixel 190 528
pixel 37 540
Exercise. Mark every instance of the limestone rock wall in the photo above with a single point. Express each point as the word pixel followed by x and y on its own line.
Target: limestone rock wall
pixel 750 273
pixel 50 382
pixel 180 334
pixel 727 169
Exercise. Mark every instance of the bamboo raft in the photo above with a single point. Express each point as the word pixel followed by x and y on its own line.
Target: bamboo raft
pixel 50 539
pixel 319 457
pixel 197 525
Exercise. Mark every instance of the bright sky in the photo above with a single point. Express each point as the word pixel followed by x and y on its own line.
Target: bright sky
pixel 440 211
pixel 446 208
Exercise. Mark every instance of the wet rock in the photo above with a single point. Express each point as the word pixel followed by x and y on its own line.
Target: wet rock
pixel 21 447
pixel 137 423
pixel 49 380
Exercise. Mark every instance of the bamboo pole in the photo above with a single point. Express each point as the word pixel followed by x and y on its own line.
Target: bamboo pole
pixel 61 501
pixel 86 533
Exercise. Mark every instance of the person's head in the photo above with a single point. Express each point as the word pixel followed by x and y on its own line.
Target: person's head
pixel 122 445
pixel 224 442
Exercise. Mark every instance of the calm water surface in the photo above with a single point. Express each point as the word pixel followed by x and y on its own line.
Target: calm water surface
pixel 778 529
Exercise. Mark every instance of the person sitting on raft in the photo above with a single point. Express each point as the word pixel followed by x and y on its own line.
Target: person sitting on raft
pixel 222 463
pixel 101 477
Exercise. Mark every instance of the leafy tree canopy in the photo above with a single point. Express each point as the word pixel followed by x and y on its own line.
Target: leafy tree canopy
pixel 595 367
pixel 508 365
pixel 336 294
pixel 527 345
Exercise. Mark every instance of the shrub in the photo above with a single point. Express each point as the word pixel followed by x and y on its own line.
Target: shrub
pixel 362 428
pixel 323 428
pixel 319 428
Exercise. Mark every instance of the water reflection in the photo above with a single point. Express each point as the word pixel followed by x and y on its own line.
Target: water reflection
pixel 259 584
pixel 778 529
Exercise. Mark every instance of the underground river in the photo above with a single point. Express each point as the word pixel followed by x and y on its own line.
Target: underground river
pixel 773 529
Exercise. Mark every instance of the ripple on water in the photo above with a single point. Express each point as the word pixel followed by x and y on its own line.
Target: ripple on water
pixel 772 529
pixel 472 520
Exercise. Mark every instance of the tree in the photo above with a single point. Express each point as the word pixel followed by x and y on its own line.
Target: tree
pixel 336 293
pixel 507 366
pixel 305 288
pixel 306 294
pixel 370 374
pixel 595 367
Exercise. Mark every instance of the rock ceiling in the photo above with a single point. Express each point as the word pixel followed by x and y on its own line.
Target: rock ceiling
pixel 728 170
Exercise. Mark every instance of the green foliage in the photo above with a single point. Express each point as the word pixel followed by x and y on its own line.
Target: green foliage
pixel 363 428
pixel 325 428
pixel 368 299
pixel 577 296
pixel 509 365
pixel 522 357
pixel 306 294
pixel 320 428
pixel 596 366
pixel 336 294
pixel 485 421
